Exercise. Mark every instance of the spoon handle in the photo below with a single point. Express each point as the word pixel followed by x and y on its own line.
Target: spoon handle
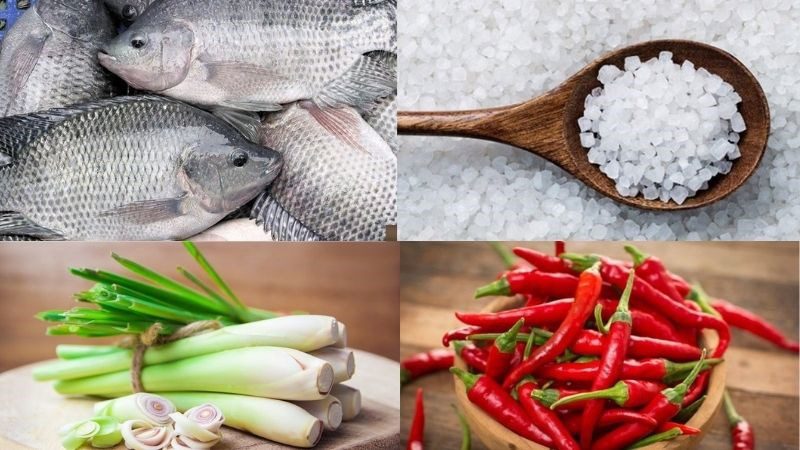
pixel 473 124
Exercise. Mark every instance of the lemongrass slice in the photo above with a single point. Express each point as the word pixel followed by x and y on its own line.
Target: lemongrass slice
pixel 302 332
pixel 180 442
pixel 207 416
pixel 142 406
pixel 341 342
pixel 272 372
pixel 328 410
pixel 142 435
pixel 184 426
pixel 101 432
pixel 342 361
pixel 350 398
pixel 276 420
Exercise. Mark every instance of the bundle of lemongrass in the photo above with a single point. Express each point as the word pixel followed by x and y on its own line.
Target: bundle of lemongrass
pixel 277 377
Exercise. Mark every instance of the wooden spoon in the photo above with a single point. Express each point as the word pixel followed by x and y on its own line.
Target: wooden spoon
pixel 548 125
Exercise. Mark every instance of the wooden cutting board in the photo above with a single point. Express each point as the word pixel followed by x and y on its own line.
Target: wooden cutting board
pixel 32 412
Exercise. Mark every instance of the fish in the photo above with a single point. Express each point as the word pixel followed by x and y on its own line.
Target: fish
pixel 49 58
pixel 383 118
pixel 339 178
pixel 127 10
pixel 256 55
pixel 127 168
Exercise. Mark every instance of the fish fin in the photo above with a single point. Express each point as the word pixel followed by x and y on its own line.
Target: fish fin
pixel 240 75
pixel 24 59
pixel 252 106
pixel 345 124
pixel 15 224
pixel 279 222
pixel 246 122
pixel 372 77
pixel 148 211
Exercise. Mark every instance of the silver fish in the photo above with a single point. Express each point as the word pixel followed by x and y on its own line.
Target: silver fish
pixel 128 168
pixel 339 178
pixel 127 10
pixel 383 118
pixel 49 58
pixel 255 55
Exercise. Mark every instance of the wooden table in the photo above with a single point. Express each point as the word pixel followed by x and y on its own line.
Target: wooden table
pixel 438 278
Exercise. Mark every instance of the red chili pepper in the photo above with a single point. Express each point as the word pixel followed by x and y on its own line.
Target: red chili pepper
pixel 752 323
pixel 561 247
pixel 697 389
pixel 652 270
pixel 417 432
pixel 474 357
pixel 654 369
pixel 546 419
pixel 680 284
pixel 534 300
pixel 424 363
pixel 460 334
pixel 678 312
pixel 543 261
pixel 662 408
pixel 492 399
pixel 501 352
pixel 742 436
pixel 625 393
pixel 608 418
pixel 611 361
pixel 591 342
pixel 586 296
pixel 685 429
pixel 526 281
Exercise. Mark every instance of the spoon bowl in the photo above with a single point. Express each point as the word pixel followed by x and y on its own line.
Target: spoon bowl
pixel 548 125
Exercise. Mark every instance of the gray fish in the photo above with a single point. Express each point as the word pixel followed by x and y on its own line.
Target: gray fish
pixel 255 55
pixel 49 58
pixel 128 168
pixel 127 10
pixel 339 177
pixel 383 118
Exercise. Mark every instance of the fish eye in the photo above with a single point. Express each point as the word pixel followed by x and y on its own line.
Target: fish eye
pixel 138 42
pixel 129 12
pixel 238 158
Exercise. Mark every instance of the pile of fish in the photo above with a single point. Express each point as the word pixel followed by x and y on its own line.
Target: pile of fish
pixel 282 111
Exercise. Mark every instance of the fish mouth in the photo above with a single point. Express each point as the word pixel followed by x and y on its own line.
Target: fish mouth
pixel 106 59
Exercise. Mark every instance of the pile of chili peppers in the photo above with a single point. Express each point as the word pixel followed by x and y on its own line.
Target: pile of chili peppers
pixel 604 354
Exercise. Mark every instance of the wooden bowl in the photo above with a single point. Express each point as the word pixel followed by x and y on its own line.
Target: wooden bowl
pixel 498 437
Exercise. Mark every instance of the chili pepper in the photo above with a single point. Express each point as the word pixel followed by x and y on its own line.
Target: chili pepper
pixel 533 300
pixel 466 437
pixel 424 363
pixel 473 356
pixel 608 418
pixel 653 369
pixel 561 247
pixel 685 429
pixel 742 436
pixel 697 389
pixel 662 407
pixel 501 352
pixel 752 323
pixel 625 393
pixel 591 342
pixel 688 411
pixel 680 284
pixel 543 261
pixel 546 419
pixel 643 291
pixel 660 437
pixel 652 270
pixel 518 356
pixel 611 360
pixel 586 296
pixel 526 281
pixel 417 432
pixel 492 399
pixel 459 334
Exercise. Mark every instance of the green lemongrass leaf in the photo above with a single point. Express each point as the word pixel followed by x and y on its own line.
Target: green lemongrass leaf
pixel 55 315
pixel 144 307
pixel 203 262
pixel 69 351
pixel 210 292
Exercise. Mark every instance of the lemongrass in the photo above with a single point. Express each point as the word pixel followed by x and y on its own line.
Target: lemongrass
pixel 68 351
pixel 350 398
pixel 141 406
pixel 142 435
pixel 181 442
pixel 273 372
pixel 305 333
pixel 342 361
pixel 328 410
pixel 99 432
pixel 342 341
pixel 276 420
pixel 207 416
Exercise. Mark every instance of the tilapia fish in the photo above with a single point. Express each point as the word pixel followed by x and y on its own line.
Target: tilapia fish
pixel 383 118
pixel 128 168
pixel 339 177
pixel 49 58
pixel 127 10
pixel 255 55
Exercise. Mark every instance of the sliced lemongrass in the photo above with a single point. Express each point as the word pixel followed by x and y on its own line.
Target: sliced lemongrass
pixel 350 398
pixel 342 341
pixel 276 420
pixel 328 410
pixel 207 416
pixel 141 406
pixel 109 435
pixel 304 333
pixel 259 371
pixel 100 432
pixel 342 361
pixel 186 427
pixel 182 442
pixel 68 351
pixel 142 435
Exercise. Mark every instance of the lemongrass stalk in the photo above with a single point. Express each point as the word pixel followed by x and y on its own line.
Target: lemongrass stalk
pixel 273 372
pixel 350 398
pixel 342 342
pixel 141 406
pixel 304 333
pixel 276 420
pixel 328 410
pixel 68 351
pixel 342 361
